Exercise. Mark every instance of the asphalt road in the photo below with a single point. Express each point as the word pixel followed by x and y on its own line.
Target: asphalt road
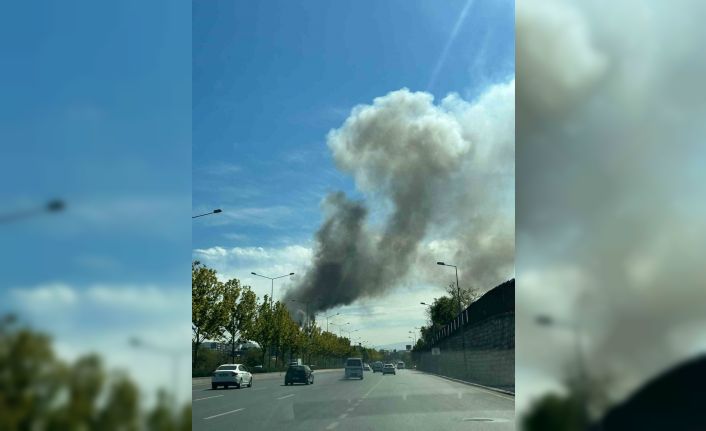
pixel 410 400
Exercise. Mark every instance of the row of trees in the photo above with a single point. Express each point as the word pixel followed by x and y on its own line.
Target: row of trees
pixel 231 313
pixel 39 391
pixel 443 310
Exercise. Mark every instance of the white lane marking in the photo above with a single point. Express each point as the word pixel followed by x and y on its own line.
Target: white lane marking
pixel 259 389
pixel 350 409
pixel 221 414
pixel 404 396
pixel 332 426
pixel 343 416
pixel 459 395
pixel 199 399
pixel 477 387
pixel 371 389
pixel 286 396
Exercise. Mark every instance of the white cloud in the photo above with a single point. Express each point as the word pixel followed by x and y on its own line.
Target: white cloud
pixel 101 318
pixel 52 294
pixel 147 297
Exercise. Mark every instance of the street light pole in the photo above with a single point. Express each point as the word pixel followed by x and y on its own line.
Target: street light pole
pixel 216 211
pixel 53 206
pixel 340 327
pixel 272 280
pixel 327 317
pixel 460 310
pixel 458 288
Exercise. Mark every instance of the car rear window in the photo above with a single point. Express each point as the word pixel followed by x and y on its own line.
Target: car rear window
pixel 296 367
pixel 354 363
pixel 227 367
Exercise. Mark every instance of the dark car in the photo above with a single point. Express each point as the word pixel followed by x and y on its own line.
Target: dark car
pixel 299 374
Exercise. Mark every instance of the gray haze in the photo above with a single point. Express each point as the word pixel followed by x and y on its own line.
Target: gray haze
pixel 610 109
pixel 438 185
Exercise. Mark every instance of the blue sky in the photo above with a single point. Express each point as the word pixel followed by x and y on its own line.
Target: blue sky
pixel 270 79
pixel 95 110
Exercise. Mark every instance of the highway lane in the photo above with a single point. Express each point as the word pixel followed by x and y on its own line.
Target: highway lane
pixel 409 400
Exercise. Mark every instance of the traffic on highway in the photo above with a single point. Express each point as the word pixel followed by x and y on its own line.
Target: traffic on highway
pixel 347 398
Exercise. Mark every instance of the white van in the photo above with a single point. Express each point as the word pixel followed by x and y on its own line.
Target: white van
pixel 354 368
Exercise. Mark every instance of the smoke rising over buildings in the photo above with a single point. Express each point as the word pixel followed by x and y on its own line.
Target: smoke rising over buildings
pixel 438 183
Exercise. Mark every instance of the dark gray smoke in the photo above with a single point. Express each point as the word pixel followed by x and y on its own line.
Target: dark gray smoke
pixel 429 171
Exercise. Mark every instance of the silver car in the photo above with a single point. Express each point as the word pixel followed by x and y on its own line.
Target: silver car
pixel 236 375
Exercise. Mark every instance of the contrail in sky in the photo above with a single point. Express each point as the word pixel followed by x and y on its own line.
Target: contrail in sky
pixel 445 52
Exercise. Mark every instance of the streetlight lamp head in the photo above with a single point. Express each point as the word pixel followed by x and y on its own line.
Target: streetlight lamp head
pixel 440 263
pixel 56 205
pixel 216 211
pixel 291 273
pixel 544 320
pixel 253 273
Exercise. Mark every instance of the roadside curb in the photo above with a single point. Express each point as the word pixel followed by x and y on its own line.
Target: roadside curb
pixel 490 388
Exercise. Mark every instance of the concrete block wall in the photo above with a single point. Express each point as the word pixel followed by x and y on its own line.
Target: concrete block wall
pixel 489 354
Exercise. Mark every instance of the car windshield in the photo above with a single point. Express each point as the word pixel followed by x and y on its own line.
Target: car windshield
pixel 227 367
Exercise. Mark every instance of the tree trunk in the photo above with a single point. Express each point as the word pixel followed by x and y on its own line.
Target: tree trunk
pixel 196 345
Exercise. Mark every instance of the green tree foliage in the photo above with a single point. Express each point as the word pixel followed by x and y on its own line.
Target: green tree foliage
pixel 121 410
pixel 246 312
pixel 468 295
pixel 231 312
pixel 442 311
pixel 263 330
pixel 554 413
pixel 207 313
pixel 230 328
pixel 40 392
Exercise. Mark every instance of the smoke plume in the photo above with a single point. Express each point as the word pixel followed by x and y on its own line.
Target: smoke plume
pixel 610 114
pixel 439 178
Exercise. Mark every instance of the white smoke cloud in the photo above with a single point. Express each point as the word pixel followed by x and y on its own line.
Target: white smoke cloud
pixel 606 181
pixel 432 172
pixel 556 58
